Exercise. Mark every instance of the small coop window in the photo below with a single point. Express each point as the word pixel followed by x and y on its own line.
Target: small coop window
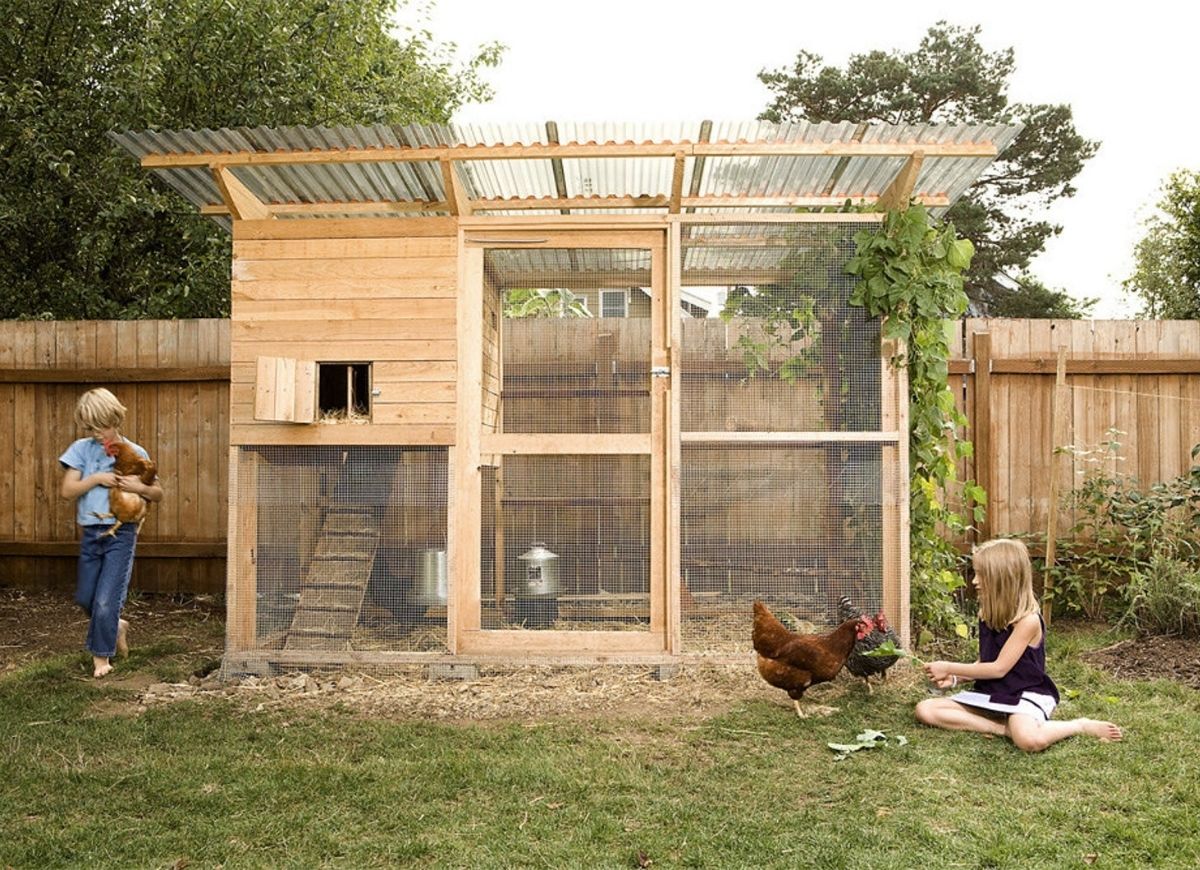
pixel 614 303
pixel 344 391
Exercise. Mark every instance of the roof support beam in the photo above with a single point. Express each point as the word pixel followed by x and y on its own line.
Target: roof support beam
pixel 316 209
pixel 242 204
pixel 468 207
pixel 539 151
pixel 459 205
pixel 900 191
pixel 556 165
pixel 677 182
pixel 698 165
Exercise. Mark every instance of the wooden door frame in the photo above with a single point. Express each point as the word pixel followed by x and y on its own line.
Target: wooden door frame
pixel 465 635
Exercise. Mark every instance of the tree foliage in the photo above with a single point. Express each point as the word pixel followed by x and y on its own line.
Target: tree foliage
pixel 86 233
pixel 951 79
pixel 1031 299
pixel 1166 272
pixel 550 302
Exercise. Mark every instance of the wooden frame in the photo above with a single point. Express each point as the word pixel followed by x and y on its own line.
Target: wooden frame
pixel 470 639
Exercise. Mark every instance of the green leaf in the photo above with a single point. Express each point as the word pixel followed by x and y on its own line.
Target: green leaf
pixel 960 253
pixel 870 736
pixel 847 747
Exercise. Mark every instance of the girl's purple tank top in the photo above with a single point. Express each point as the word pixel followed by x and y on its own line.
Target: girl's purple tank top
pixel 1027 675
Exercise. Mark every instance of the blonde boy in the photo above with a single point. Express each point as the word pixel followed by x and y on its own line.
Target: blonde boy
pixel 105 562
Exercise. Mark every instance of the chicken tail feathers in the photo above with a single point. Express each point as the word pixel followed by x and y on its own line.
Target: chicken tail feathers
pixel 847 610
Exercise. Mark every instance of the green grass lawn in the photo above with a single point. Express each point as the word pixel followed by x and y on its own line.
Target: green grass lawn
pixel 209 782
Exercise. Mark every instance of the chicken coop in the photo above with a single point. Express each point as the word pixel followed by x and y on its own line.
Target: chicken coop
pixel 557 393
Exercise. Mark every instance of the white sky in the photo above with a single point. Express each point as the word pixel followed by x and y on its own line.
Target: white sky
pixel 1128 73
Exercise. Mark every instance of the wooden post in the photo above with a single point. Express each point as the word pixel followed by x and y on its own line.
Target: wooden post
pixel 981 430
pixel 242 572
pixel 466 503
pixel 1057 420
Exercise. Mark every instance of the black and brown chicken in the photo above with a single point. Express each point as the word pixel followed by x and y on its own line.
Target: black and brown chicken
pixel 859 662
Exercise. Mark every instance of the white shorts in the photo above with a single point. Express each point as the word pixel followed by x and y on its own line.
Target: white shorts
pixel 1040 707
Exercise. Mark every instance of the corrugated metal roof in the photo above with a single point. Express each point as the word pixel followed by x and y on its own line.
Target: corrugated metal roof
pixel 486 177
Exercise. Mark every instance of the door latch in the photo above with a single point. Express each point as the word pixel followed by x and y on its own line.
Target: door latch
pixel 660 371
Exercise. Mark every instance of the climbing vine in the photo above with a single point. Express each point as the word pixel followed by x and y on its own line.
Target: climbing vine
pixel 910 270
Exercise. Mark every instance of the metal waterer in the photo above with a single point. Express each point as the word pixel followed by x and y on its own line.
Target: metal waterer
pixel 537 603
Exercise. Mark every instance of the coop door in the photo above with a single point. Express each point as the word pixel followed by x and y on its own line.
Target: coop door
pixel 560 533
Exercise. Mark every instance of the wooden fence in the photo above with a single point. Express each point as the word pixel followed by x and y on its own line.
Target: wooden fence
pixel 173 376
pixel 1139 377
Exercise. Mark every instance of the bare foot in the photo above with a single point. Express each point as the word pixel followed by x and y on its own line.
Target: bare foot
pixel 1105 732
pixel 123 638
pixel 100 667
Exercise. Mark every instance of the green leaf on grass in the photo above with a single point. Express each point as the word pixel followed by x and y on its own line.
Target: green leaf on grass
pixel 848 747
pixel 868 739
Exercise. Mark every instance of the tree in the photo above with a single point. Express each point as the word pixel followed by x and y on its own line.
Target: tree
pixel 950 79
pixel 1030 298
pixel 84 231
pixel 1166 271
pixel 530 302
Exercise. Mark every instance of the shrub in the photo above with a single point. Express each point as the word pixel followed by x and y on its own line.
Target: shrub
pixel 1163 599
pixel 1124 534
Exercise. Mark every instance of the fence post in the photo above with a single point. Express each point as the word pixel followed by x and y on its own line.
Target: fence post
pixel 981 426
pixel 1057 419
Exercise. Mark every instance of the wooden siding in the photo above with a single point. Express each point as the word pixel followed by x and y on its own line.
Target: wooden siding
pixel 365 298
pixel 1141 378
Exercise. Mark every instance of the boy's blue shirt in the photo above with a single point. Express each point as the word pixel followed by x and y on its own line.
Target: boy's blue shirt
pixel 87 456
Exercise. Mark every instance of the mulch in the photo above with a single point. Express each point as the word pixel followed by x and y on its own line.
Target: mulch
pixel 1151 658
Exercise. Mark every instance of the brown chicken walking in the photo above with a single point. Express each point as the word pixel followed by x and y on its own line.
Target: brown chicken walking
pixel 794 662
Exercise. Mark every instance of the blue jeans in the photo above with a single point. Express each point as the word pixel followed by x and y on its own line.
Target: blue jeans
pixel 105 565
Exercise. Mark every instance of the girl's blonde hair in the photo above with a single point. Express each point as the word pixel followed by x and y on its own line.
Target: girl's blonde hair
pixel 99 409
pixel 1005 582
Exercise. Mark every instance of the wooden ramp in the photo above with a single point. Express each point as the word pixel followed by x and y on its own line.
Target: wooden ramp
pixel 333 588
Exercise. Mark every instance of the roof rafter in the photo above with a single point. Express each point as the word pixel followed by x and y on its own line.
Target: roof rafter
pixel 900 191
pixel 585 202
pixel 455 195
pixel 540 151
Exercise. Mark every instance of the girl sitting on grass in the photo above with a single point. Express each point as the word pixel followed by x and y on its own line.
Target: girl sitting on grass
pixel 1013 695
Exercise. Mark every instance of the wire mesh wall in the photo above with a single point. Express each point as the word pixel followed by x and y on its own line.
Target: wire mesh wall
pixel 795 524
pixel 566 543
pixel 575 339
pixel 796 527
pixel 789 354
pixel 349 547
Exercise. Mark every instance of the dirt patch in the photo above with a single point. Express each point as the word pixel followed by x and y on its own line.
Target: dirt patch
pixel 1151 658
pixel 40 625
pixel 184 637
pixel 495 695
